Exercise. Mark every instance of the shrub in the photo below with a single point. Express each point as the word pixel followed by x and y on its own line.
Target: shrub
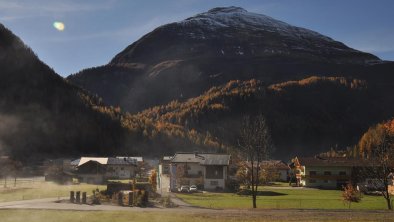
pixel 350 194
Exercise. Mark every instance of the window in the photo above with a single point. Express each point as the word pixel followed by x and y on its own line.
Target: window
pixel 342 173
pixel 200 173
pixel 312 173
pixel 214 183
pixel 312 181
pixel 121 168
pixel 214 172
pixel 327 173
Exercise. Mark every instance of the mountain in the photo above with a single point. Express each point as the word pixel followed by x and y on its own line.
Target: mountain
pixel 42 115
pixel 183 59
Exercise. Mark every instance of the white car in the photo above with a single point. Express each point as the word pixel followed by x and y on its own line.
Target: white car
pixel 184 189
pixel 193 188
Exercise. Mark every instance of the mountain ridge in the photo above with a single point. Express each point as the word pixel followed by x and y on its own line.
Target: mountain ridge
pixel 183 59
pixel 42 115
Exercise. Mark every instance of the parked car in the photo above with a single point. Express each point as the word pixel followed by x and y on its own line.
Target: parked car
pixel 193 188
pixel 185 189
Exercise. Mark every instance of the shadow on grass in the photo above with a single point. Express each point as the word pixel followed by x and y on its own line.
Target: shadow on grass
pixel 260 193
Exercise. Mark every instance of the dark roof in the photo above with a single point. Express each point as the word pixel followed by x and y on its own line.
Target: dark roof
pixel 186 158
pixel 275 164
pixel 329 161
pixel 121 161
pixel 202 158
pixel 167 158
pixel 75 162
pixel 215 159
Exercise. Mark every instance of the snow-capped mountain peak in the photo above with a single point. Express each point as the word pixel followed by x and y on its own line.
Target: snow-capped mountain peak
pixel 239 18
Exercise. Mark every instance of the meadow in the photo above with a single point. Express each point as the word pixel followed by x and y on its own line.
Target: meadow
pixel 37 188
pixel 283 198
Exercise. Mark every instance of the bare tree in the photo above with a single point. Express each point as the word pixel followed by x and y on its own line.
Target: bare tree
pixel 256 144
pixel 9 167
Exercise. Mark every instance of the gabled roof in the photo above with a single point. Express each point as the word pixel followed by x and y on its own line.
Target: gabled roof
pixel 215 159
pixel 203 158
pixel 186 158
pixel 75 162
pixel 120 161
pixel 105 161
pixel 167 158
pixel 101 160
pixel 136 158
pixel 274 164
pixel 328 161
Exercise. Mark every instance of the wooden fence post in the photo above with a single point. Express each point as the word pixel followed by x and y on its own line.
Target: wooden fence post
pixel 120 199
pixel 78 197
pixel 72 199
pixel 83 197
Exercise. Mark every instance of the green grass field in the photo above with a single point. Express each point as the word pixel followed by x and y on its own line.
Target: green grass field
pixel 283 199
pixel 118 216
pixel 36 189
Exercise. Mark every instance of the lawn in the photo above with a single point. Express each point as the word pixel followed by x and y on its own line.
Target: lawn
pixel 36 189
pixel 283 198
pixel 120 216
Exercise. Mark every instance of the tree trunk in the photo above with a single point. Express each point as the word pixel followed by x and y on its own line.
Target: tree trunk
pixel 254 200
pixel 388 200
pixel 386 195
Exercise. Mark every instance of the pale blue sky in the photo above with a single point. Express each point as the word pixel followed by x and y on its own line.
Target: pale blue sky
pixel 96 30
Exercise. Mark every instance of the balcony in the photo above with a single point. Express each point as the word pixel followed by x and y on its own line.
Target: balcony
pixel 187 175
pixel 327 177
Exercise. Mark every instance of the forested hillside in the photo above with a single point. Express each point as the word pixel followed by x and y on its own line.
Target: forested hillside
pixel 42 115
pixel 306 116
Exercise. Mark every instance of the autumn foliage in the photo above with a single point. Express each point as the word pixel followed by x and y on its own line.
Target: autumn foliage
pixel 373 137
pixel 351 195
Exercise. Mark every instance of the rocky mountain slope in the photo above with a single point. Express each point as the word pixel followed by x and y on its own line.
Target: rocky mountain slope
pixel 183 59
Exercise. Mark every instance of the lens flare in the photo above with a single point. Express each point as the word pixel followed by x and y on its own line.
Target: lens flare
pixel 59 26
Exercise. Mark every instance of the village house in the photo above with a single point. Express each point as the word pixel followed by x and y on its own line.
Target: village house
pixel 164 166
pixel 206 170
pixel 322 172
pixel 279 168
pixel 138 159
pixel 100 169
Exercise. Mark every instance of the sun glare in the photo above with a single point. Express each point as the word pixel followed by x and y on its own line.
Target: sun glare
pixel 59 26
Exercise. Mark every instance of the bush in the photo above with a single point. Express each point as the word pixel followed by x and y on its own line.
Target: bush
pixel 142 199
pixel 232 185
pixel 166 202
pixel 350 194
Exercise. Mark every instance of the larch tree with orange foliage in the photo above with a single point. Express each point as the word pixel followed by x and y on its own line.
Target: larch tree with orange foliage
pixel 377 147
